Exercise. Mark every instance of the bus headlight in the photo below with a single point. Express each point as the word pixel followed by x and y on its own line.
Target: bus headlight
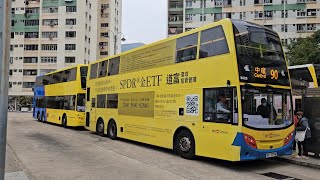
pixel 250 141
pixel 288 138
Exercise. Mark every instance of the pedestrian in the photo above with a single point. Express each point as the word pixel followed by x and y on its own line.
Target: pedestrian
pixel 303 128
pixel 295 122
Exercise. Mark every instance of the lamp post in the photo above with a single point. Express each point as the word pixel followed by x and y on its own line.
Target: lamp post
pixel 115 39
pixel 5 8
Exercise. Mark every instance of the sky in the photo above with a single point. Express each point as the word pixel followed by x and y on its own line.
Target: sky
pixel 144 21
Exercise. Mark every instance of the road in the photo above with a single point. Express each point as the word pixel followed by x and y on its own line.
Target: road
pixel 47 151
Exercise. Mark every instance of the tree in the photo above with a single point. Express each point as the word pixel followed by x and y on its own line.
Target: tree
pixel 305 50
pixel 24 101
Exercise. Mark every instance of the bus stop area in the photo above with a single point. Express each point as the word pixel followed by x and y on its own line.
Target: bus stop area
pixel 45 151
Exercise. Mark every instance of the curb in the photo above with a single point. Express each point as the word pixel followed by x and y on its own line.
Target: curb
pixel 305 164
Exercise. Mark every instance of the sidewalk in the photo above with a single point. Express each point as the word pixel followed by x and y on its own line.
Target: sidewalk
pixel 13 170
pixel 312 162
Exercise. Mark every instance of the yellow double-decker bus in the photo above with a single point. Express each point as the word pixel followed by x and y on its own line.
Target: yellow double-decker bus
pixel 62 96
pixel 220 91
pixel 308 73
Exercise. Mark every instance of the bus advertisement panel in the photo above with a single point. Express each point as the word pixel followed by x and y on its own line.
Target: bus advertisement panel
pixel 220 91
pixel 60 96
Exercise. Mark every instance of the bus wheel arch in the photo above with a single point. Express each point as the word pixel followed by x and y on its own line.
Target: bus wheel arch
pixel 64 121
pixel 100 127
pixel 184 143
pixel 112 129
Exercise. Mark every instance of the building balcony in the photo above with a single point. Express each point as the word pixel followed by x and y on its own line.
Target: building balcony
pixel 176 6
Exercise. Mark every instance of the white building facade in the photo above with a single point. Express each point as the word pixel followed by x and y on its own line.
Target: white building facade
pixel 47 35
pixel 290 18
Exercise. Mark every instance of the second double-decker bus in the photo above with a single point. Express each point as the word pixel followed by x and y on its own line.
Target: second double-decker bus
pixel 309 73
pixel 60 96
pixel 220 91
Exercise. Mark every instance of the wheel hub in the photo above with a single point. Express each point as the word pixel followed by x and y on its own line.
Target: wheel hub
pixel 101 127
pixel 185 144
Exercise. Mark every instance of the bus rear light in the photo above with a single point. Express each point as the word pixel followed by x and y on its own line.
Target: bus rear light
pixel 250 141
pixel 288 138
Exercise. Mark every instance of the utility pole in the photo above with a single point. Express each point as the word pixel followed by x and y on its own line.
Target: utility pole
pixel 5 8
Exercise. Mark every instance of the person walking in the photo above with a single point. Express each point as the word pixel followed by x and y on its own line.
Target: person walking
pixel 303 125
pixel 295 121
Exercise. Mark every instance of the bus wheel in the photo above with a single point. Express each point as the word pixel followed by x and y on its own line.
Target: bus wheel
pixel 100 127
pixel 185 144
pixel 64 122
pixel 38 117
pixel 112 130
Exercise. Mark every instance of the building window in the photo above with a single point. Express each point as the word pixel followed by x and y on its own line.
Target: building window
pixel 30 72
pixel 45 71
pixel 71 8
pixel 284 14
pixel 30 47
pixel 49 22
pixel 27 84
pixel 31 35
pixel 31 22
pixel 258 15
pixel 71 21
pixel 189 3
pixel 30 60
pixel 284 28
pixel 104 25
pixel 104 35
pixel 70 47
pixel 71 34
pixel 104 6
pixel 50 59
pixel 51 34
pixel 104 53
pixel 49 47
pixel 53 9
pixel 70 59
pixel 32 10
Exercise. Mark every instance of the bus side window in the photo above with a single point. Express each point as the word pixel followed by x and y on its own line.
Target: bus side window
pixel 187 48
pixel 114 66
pixel 101 101
pixel 93 71
pixel 112 101
pixel 213 42
pixel 219 105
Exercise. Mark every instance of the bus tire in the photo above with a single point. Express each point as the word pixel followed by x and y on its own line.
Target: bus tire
pixel 185 144
pixel 100 127
pixel 112 130
pixel 64 121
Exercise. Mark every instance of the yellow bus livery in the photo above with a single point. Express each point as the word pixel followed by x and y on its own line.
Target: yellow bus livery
pixel 220 91
pixel 64 96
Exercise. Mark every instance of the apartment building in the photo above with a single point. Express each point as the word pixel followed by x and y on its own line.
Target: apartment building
pixel 51 34
pixel 290 18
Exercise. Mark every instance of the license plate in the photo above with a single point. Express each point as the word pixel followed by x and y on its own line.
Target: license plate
pixel 270 155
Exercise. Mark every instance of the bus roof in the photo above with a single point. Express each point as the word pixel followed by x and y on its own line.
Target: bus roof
pixel 167 39
pixel 66 68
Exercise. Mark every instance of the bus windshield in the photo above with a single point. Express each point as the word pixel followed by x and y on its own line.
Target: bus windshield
pixel 260 55
pixel 266 108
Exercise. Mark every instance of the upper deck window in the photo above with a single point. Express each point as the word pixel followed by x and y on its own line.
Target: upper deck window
pixel 213 42
pixel 187 48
